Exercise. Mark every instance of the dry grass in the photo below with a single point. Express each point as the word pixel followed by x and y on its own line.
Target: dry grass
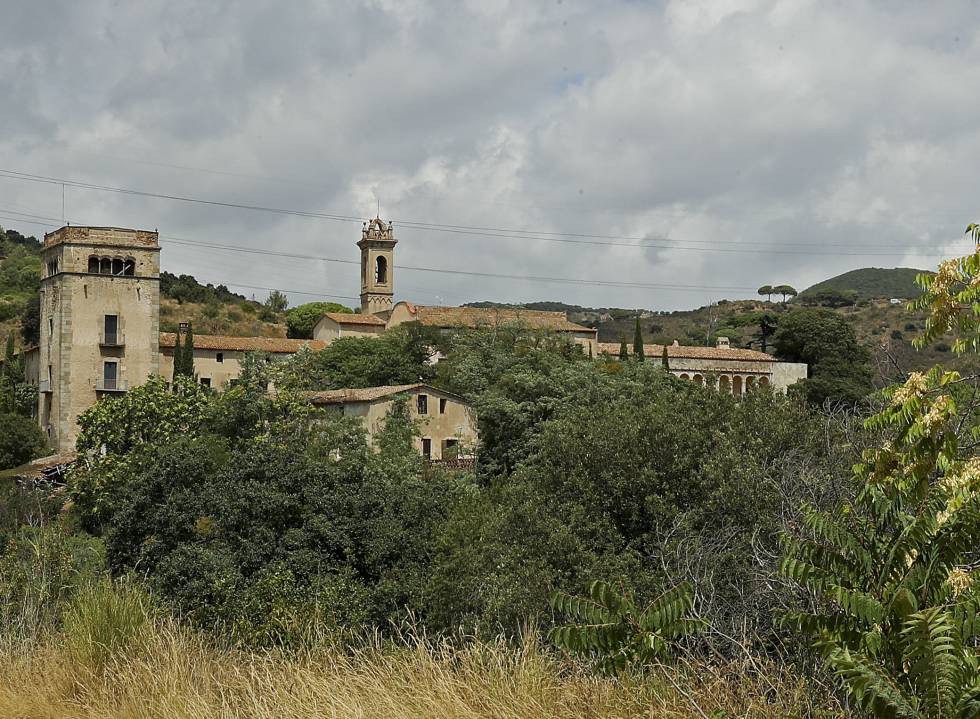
pixel 173 673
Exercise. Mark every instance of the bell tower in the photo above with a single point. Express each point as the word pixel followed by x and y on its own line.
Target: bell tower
pixel 377 246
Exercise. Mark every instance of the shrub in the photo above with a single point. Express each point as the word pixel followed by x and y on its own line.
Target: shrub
pixel 20 441
pixel 104 620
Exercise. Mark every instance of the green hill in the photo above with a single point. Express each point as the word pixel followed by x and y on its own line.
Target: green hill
pixel 872 283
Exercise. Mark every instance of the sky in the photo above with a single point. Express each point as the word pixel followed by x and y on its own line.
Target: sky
pixel 633 154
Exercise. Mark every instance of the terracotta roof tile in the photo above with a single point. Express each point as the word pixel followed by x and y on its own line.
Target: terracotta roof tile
pixel 361 394
pixel 346 318
pixel 278 345
pixel 473 317
pixel 691 352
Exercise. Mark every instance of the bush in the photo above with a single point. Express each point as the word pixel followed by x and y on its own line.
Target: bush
pixel 20 441
pixel 301 320
pixel 104 620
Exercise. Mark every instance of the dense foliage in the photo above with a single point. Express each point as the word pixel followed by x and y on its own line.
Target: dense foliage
pixel 301 320
pixel 184 288
pixel 871 283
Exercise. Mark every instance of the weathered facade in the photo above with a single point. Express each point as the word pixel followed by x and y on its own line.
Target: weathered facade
pixel 334 325
pixel 726 368
pixel 446 422
pixel 100 317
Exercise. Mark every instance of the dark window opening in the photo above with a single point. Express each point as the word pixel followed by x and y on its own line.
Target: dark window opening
pixel 111 327
pixel 129 268
pixel 205 381
pixel 423 404
pixel 110 375
pixel 427 448
pixel 442 405
pixel 105 266
pixel 93 265
pixel 117 266
pixel 450 448
pixel 219 357
pixel 381 270
pixel 52 268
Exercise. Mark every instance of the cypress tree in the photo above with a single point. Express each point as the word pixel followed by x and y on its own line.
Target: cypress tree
pixel 189 351
pixel 664 360
pixel 638 341
pixel 178 357
pixel 624 352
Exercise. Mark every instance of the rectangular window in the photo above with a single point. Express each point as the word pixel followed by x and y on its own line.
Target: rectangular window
pixel 442 405
pixel 111 327
pixel 449 450
pixel 427 448
pixel 110 375
pixel 205 381
pixel 423 404
pixel 219 357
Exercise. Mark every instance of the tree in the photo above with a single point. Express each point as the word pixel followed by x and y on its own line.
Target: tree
pixel 30 321
pixel 610 628
pixel 624 352
pixel 20 441
pixel 837 365
pixel 277 301
pixel 785 291
pixel 184 355
pixel 638 341
pixel 664 359
pixel 767 326
pixel 301 320
pixel 830 298
pixel 766 290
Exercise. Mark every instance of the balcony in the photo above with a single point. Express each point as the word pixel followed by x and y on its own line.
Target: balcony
pixel 111 339
pixel 44 386
pixel 110 385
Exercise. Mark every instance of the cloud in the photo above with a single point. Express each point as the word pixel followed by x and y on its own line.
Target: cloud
pixel 759 140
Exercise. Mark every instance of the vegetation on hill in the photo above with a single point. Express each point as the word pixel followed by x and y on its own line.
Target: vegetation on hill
pixel 20 275
pixel 871 283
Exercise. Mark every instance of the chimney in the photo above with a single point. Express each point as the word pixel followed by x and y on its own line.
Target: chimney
pixel 723 343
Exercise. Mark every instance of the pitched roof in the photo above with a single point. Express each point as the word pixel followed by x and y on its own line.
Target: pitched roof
pixel 278 345
pixel 473 317
pixel 346 318
pixel 691 352
pixel 370 394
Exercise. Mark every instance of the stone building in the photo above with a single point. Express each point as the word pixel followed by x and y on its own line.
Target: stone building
pixel 446 422
pixel 727 368
pixel 100 318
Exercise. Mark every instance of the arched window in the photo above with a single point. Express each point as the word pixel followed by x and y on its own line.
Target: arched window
pixel 380 271
pixel 129 267
pixel 737 386
pixel 725 384
pixel 93 264
pixel 685 376
pixel 117 266
pixel 698 380
pixel 763 381
pixel 749 383
pixel 105 266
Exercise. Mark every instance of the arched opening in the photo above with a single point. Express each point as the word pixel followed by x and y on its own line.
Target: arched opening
pixel 105 266
pixel 129 267
pixel 381 271
pixel 749 383
pixel 737 386
pixel 763 381
pixel 725 384
pixel 684 376
pixel 93 264
pixel 699 380
pixel 117 266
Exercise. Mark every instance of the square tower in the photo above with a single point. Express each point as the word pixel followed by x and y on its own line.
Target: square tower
pixel 377 245
pixel 100 321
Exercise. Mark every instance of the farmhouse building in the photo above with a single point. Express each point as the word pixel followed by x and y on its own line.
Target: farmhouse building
pixel 446 422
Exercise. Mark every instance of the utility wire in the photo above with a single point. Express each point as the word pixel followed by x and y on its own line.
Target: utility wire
pixel 503 233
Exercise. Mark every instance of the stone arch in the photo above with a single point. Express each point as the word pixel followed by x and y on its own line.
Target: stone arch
pixel 699 380
pixel 725 384
pixel 749 383
pixel 737 385
pixel 105 265
pixel 381 270
pixel 685 376
pixel 763 381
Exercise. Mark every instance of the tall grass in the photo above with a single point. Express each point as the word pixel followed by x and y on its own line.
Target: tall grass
pixel 174 673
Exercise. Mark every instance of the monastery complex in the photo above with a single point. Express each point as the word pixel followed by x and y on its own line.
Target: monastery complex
pixel 100 335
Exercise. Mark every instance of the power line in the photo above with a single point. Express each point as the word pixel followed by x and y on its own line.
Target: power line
pixel 503 233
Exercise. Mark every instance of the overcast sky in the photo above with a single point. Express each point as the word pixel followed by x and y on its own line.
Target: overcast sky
pixel 750 142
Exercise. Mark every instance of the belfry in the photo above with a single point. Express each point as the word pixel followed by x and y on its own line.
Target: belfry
pixel 377 246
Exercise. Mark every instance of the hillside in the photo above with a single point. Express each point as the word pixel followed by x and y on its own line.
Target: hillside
pixel 871 283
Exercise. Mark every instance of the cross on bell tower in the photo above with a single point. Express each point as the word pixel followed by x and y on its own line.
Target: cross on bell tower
pixel 377 246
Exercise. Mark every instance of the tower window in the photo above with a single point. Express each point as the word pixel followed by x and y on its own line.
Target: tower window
pixel 117 266
pixel 93 265
pixel 52 268
pixel 110 375
pixel 129 268
pixel 105 266
pixel 381 271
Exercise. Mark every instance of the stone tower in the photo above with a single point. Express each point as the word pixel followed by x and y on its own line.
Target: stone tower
pixel 100 321
pixel 377 245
